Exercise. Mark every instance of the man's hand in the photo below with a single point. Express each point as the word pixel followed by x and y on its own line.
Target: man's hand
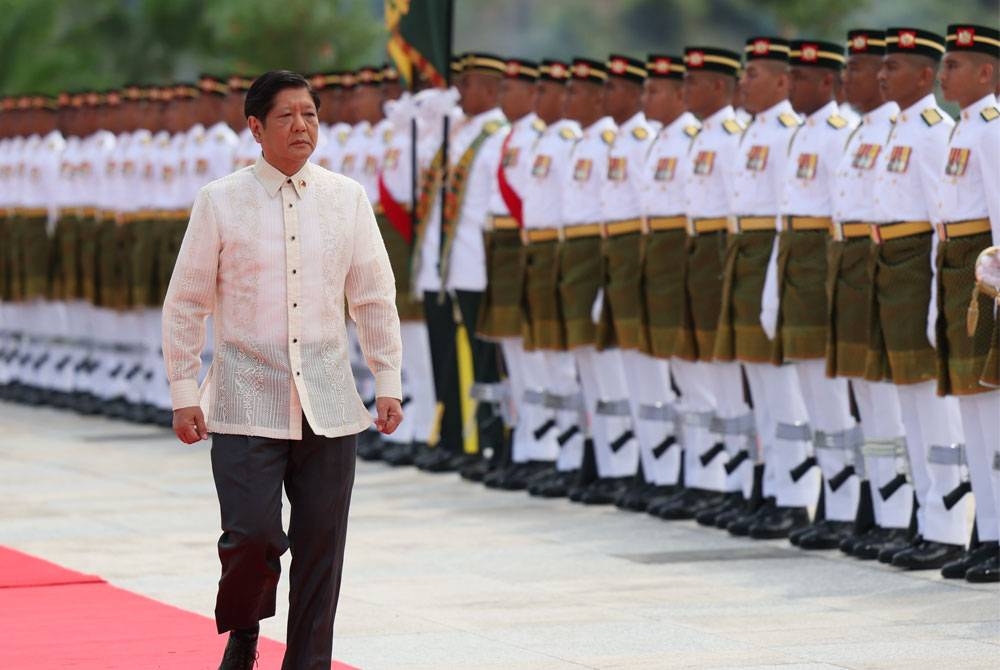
pixel 189 425
pixel 390 415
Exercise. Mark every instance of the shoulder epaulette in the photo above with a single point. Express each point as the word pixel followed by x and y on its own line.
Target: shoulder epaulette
pixel 491 127
pixel 342 136
pixel 387 135
pixel 836 121
pixel 691 130
pixel 538 125
pixel 568 133
pixel 990 113
pixel 609 136
pixel 732 126
pixel 640 133
pixel 931 116
pixel 893 118
pixel 369 131
pixel 788 120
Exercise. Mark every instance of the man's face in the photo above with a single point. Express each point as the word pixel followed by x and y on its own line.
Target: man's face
pixel 861 80
pixel 288 133
pixel 549 99
pixel 516 97
pixel 367 102
pixel 960 74
pixel 807 91
pixel 662 99
pixel 758 85
pixel 478 91
pixel 899 77
pixel 620 98
pixel 582 96
pixel 698 90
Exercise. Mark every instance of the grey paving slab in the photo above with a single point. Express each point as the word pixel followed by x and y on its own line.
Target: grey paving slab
pixel 441 574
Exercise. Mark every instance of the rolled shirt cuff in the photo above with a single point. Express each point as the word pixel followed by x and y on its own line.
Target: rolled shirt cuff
pixel 388 384
pixel 184 393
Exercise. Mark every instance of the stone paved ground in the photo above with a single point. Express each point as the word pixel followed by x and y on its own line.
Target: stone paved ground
pixel 442 574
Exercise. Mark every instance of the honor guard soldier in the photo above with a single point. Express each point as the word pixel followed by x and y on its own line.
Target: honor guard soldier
pixel 247 149
pixel 902 309
pixel 626 373
pixel 663 256
pixel 533 443
pixel 451 265
pixel 549 163
pixel 580 267
pixel 395 217
pixel 885 498
pixel 712 393
pixel 794 310
pixel 758 181
pixel 968 206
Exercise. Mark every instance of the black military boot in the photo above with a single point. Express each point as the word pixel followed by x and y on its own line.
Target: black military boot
pixel 241 650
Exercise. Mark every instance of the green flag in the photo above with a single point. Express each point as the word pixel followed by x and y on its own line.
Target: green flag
pixel 420 38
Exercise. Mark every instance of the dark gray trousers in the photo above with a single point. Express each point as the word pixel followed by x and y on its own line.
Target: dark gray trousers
pixel 318 474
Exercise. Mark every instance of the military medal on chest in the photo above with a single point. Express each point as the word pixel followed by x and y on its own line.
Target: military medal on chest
pixel 958 161
pixel 581 172
pixel 757 158
pixel 899 159
pixel 807 166
pixel 665 168
pixel 865 156
pixel 703 163
pixel 541 167
pixel 617 168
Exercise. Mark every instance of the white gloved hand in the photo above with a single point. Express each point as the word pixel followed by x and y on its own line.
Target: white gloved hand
pixel 595 310
pixel 400 112
pixel 769 322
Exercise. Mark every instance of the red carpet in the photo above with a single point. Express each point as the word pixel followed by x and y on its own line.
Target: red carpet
pixel 51 617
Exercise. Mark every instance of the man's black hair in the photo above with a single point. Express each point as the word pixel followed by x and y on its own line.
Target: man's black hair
pixel 260 97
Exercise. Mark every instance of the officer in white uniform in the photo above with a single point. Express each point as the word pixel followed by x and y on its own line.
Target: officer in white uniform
pixel 907 177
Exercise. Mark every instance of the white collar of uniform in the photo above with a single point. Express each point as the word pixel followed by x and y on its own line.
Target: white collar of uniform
pixel 989 100
pixel 723 114
pixel 637 119
pixel 680 123
pixel 271 178
pixel 824 112
pixel 479 120
pixel 525 121
pixel 912 112
pixel 883 112
pixel 773 112
pixel 599 126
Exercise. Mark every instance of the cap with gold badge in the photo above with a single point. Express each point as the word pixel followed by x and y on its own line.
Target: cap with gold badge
pixel 585 69
pixel 712 59
pixel 766 48
pixel 816 53
pixel 663 66
pixel 624 67
pixel 969 37
pixel 866 42
pixel 914 42
pixel 484 62
pixel 520 69
pixel 553 70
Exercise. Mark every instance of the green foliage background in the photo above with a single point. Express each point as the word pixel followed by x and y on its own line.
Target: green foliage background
pixel 51 45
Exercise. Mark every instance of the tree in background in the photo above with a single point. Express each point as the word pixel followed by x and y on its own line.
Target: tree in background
pixel 51 45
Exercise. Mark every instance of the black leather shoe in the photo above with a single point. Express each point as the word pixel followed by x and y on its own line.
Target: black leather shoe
pixel 740 526
pixel 970 558
pixel 241 652
pixel 851 542
pixel 636 497
pixel 555 486
pixel 398 455
pixel 691 504
pixel 370 448
pixel 437 459
pixel 889 551
pixel 825 535
pixel 604 491
pixel 731 502
pixel 664 500
pixel 779 523
pixel 475 471
pixel 927 555
pixel 986 572
pixel 871 545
